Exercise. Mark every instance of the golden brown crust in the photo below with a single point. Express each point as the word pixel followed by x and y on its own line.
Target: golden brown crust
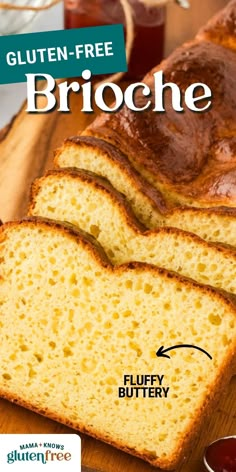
pixel 114 155
pixel 224 211
pixel 221 29
pixel 189 157
pixel 100 183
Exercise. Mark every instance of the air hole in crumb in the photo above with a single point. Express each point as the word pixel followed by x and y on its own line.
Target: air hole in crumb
pixel 23 347
pixel 39 357
pixel 127 313
pixel 148 288
pixel 167 306
pixel 6 376
pixel 52 260
pixel 215 319
pixel 73 279
pixel 67 352
pixel 107 325
pixel 52 282
pixel 225 340
pixel 129 283
pixel 95 230
pixel 136 348
pixel 201 267
pixel 32 372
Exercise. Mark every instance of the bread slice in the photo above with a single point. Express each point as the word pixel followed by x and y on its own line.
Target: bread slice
pixel 72 326
pixel 105 160
pixel 212 224
pixel 217 225
pixel 91 203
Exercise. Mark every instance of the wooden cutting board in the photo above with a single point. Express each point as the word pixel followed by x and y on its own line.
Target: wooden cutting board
pixel 26 151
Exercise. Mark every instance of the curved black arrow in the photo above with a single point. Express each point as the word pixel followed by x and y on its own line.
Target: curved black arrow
pixel 161 351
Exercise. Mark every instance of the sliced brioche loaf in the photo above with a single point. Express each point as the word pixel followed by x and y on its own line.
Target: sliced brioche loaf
pixel 72 326
pixel 91 203
pixel 217 225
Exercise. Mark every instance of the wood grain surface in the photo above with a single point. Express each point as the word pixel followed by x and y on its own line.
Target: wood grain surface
pixel 26 151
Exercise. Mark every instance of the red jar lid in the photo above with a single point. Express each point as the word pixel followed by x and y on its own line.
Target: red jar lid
pixel 220 456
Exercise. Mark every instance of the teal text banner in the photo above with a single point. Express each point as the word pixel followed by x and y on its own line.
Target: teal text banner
pixel 62 54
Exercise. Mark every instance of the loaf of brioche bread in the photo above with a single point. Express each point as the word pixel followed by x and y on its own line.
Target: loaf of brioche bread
pixel 189 156
pixel 88 201
pixel 217 225
pixel 75 329
pixel 72 327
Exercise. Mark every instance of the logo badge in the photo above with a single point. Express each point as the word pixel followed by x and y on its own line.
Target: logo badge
pixel 27 452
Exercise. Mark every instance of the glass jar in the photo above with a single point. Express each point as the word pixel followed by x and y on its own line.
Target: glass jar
pixel 149 28
pixel 19 21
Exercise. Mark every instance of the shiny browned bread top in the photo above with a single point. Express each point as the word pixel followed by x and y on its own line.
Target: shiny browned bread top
pixel 189 156
pixel 221 29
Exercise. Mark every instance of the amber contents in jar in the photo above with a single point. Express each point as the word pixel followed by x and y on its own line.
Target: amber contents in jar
pixel 220 456
pixel 148 45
